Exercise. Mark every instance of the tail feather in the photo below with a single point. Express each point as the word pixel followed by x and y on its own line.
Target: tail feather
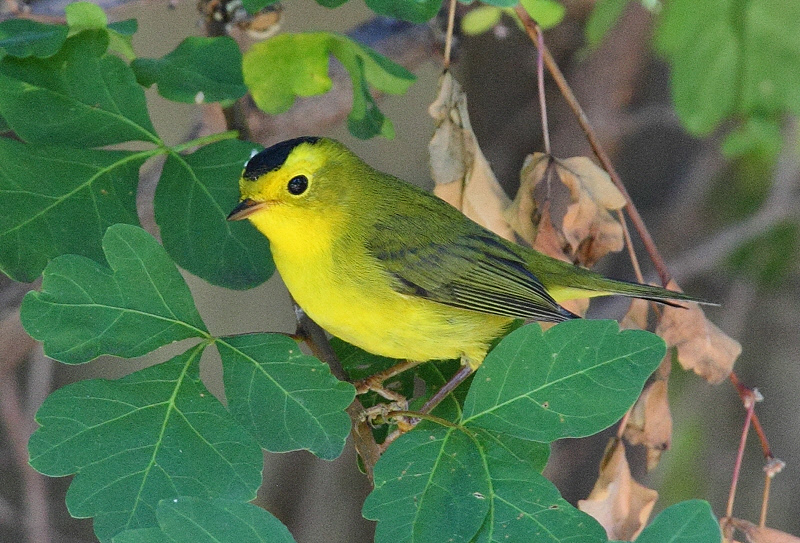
pixel 646 292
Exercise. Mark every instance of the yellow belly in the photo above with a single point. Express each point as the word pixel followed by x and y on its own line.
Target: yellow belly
pixel 359 306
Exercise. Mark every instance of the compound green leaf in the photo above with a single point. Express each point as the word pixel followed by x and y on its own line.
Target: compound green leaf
pixel 200 70
pixel 137 304
pixel 80 97
pixel 416 11
pixel 431 484
pixel 193 198
pixel 25 38
pixel 55 200
pixel 574 380
pixel 288 400
pixel 524 506
pixel 687 522
pixel 153 435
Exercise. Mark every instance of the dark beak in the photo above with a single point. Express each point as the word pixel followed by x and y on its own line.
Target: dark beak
pixel 245 208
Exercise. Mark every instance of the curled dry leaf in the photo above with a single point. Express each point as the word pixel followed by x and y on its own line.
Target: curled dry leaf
pixel 581 197
pixel 462 174
pixel 761 534
pixel 620 504
pixel 702 347
pixel 650 422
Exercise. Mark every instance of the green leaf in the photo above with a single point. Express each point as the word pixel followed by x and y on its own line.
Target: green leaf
pixel 253 6
pixel 24 38
pixel 769 258
pixel 687 522
pixel 430 485
pixel 194 196
pixel 286 66
pixel 443 484
pixel 524 505
pixel 479 20
pixel 756 136
pixel 731 58
pixel 193 520
pixel 152 435
pixel 502 3
pixel 137 305
pixel 416 11
pixel 141 535
pixel 331 3
pixel 200 70
pixel 604 16
pixel 574 380
pixel 55 201
pixel 87 16
pixel 548 13
pixel 288 400
pixel 80 97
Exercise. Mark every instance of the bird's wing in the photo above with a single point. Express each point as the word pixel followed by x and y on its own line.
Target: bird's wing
pixel 469 268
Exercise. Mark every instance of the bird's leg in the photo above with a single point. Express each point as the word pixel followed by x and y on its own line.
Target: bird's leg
pixel 375 382
pixel 465 371
pixel 447 388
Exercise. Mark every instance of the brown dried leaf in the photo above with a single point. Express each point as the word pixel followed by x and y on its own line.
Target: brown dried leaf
pixel 636 316
pixel 524 214
pixel 702 347
pixel 462 174
pixel 761 534
pixel 650 421
pixel 581 197
pixel 620 504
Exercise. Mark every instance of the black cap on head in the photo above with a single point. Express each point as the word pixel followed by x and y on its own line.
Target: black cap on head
pixel 273 157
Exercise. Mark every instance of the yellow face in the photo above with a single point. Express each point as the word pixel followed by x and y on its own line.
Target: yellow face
pixel 293 194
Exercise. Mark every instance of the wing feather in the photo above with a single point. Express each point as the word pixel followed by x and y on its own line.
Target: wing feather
pixel 472 269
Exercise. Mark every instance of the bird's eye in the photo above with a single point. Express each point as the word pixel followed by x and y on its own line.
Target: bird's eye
pixel 297 185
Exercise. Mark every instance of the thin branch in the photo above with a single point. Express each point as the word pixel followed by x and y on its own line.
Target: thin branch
pixel 658 262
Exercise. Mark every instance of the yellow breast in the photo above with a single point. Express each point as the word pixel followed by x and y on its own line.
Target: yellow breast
pixel 346 291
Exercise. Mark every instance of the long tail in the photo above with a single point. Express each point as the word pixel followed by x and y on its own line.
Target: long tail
pixel 646 292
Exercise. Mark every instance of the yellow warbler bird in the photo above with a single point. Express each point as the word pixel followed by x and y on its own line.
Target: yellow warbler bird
pixel 395 270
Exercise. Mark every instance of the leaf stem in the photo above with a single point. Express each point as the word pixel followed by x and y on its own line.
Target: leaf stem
pixel 424 416
pixel 448 44
pixel 532 30
pixel 540 77
pixel 205 140
pixel 750 405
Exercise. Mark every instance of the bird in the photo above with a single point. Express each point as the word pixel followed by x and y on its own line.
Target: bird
pixel 390 268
